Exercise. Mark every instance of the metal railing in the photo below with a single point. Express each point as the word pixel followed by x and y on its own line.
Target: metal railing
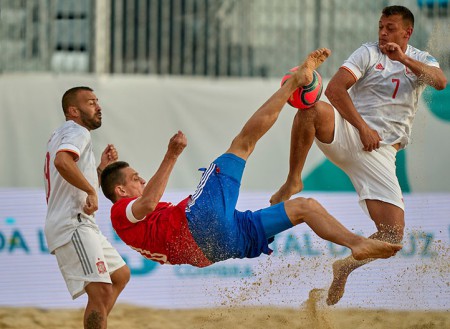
pixel 199 37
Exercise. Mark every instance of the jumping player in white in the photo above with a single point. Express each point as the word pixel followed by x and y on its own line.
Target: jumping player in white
pixel 364 127
pixel 87 260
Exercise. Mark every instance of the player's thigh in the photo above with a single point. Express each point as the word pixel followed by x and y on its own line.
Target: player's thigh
pixel 386 216
pixel 325 122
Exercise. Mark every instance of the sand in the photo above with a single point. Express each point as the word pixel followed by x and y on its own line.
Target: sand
pixel 308 316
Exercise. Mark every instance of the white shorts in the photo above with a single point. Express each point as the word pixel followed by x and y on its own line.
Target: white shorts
pixel 373 174
pixel 88 257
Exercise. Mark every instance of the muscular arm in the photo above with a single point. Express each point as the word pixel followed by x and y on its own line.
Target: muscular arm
pixel 68 169
pixel 337 94
pixel 430 75
pixel 156 186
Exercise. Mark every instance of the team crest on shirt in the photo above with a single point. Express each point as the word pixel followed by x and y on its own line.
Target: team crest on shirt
pixel 101 266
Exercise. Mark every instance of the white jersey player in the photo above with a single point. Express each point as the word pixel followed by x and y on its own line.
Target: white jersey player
pixel 386 92
pixel 66 201
pixel 86 259
pixel 374 98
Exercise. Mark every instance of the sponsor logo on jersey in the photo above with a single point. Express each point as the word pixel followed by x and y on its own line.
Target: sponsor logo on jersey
pixel 379 67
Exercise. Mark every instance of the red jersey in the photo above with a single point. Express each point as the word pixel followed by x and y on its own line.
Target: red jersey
pixel 162 236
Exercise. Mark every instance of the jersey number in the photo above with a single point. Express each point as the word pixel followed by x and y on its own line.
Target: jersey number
pixel 397 83
pixel 47 174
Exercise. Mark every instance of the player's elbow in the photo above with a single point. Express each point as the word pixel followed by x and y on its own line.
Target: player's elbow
pixel 436 79
pixel 441 83
pixel 328 92
pixel 61 164
pixel 332 91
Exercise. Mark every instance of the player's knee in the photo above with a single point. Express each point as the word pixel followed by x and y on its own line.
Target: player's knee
pixel 100 293
pixel 105 292
pixel 323 110
pixel 301 208
pixel 312 205
pixel 307 203
pixel 121 277
pixel 308 115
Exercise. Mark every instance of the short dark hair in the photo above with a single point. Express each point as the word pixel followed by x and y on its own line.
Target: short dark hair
pixel 406 14
pixel 111 177
pixel 70 97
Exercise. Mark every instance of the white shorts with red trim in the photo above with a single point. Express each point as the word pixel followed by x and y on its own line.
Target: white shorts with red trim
pixel 373 174
pixel 88 257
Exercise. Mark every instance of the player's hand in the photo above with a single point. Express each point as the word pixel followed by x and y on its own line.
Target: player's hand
pixel 177 144
pixel 109 156
pixel 370 139
pixel 393 51
pixel 91 205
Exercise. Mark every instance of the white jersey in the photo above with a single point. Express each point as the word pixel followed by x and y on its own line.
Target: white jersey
pixel 65 201
pixel 386 92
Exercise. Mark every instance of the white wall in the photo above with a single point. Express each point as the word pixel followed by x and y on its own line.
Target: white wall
pixel 141 113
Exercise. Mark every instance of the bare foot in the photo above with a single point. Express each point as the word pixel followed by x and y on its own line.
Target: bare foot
pixel 371 248
pixel 304 74
pixel 285 192
pixel 340 275
pixel 363 252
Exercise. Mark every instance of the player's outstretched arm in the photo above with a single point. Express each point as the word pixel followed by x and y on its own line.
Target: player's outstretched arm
pixel 156 186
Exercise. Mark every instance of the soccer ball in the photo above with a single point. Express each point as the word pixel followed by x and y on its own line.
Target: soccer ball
pixel 305 97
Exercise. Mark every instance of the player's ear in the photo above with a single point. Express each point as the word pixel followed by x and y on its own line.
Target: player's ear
pixel 72 111
pixel 409 31
pixel 120 191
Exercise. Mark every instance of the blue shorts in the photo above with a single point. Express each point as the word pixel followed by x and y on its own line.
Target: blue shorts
pixel 221 231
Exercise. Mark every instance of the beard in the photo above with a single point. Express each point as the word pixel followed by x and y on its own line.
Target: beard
pixel 91 123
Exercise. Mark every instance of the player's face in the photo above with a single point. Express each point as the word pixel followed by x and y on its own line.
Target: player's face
pixel 90 110
pixel 393 29
pixel 134 184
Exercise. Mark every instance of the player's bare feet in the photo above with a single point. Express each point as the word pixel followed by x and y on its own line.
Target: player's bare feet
pixel 285 192
pixel 362 253
pixel 371 248
pixel 304 74
pixel 341 272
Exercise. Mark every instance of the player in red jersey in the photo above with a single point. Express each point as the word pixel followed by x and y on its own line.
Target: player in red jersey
pixel 205 227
